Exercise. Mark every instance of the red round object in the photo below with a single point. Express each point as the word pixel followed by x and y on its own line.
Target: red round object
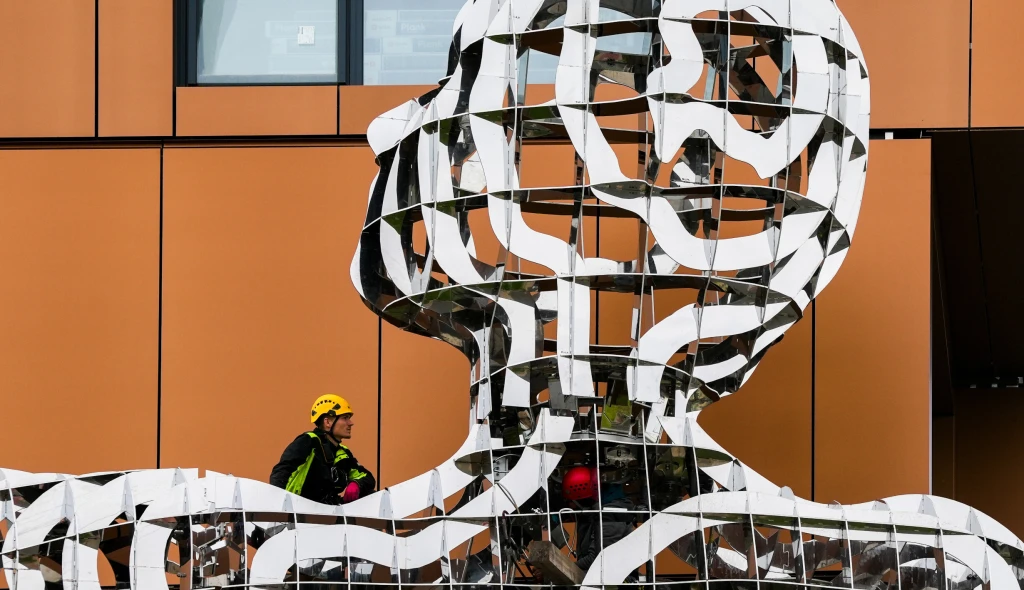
pixel 580 483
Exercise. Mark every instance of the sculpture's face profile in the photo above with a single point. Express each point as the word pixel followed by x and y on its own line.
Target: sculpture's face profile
pixel 732 133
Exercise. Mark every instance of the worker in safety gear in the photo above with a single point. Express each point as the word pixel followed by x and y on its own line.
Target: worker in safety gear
pixel 580 489
pixel 316 465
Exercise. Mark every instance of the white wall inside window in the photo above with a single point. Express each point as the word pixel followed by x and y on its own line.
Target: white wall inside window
pixel 268 41
pixel 407 41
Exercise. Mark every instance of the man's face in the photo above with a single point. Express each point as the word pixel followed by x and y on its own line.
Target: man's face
pixel 340 427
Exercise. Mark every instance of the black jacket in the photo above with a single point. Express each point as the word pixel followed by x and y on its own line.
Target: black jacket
pixel 315 468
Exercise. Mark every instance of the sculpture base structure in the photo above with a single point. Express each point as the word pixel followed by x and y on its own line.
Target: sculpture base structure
pixel 157 529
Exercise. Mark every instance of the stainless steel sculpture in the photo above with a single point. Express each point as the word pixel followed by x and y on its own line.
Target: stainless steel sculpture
pixel 776 86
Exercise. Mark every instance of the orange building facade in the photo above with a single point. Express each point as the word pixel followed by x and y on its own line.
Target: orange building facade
pixel 176 288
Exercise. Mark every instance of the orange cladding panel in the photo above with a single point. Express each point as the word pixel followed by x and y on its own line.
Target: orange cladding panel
pixel 543 165
pixel 918 54
pixel 767 423
pixel 79 308
pixel 136 67
pixel 260 317
pixel 620 241
pixel 424 404
pixel 48 68
pixel 360 105
pixel 257 110
pixel 995 89
pixel 873 339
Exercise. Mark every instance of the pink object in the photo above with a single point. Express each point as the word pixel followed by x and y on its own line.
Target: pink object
pixel 351 492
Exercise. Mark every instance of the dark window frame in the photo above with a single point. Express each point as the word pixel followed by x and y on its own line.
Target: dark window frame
pixel 188 14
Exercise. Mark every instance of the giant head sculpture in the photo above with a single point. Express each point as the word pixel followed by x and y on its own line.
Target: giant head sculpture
pixel 731 135
pixel 724 143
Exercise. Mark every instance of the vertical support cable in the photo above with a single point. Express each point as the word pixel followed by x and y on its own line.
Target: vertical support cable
pixel 380 361
pixel 970 67
pixel 96 69
pixel 160 316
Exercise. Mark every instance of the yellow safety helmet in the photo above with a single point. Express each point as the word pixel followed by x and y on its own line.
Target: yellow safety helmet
pixel 329 405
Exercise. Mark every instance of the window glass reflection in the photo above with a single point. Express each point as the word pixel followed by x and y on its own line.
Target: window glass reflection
pixel 407 41
pixel 267 41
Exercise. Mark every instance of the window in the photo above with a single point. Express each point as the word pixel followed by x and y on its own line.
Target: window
pixel 248 42
pixel 263 42
pixel 407 41
pixel 337 42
